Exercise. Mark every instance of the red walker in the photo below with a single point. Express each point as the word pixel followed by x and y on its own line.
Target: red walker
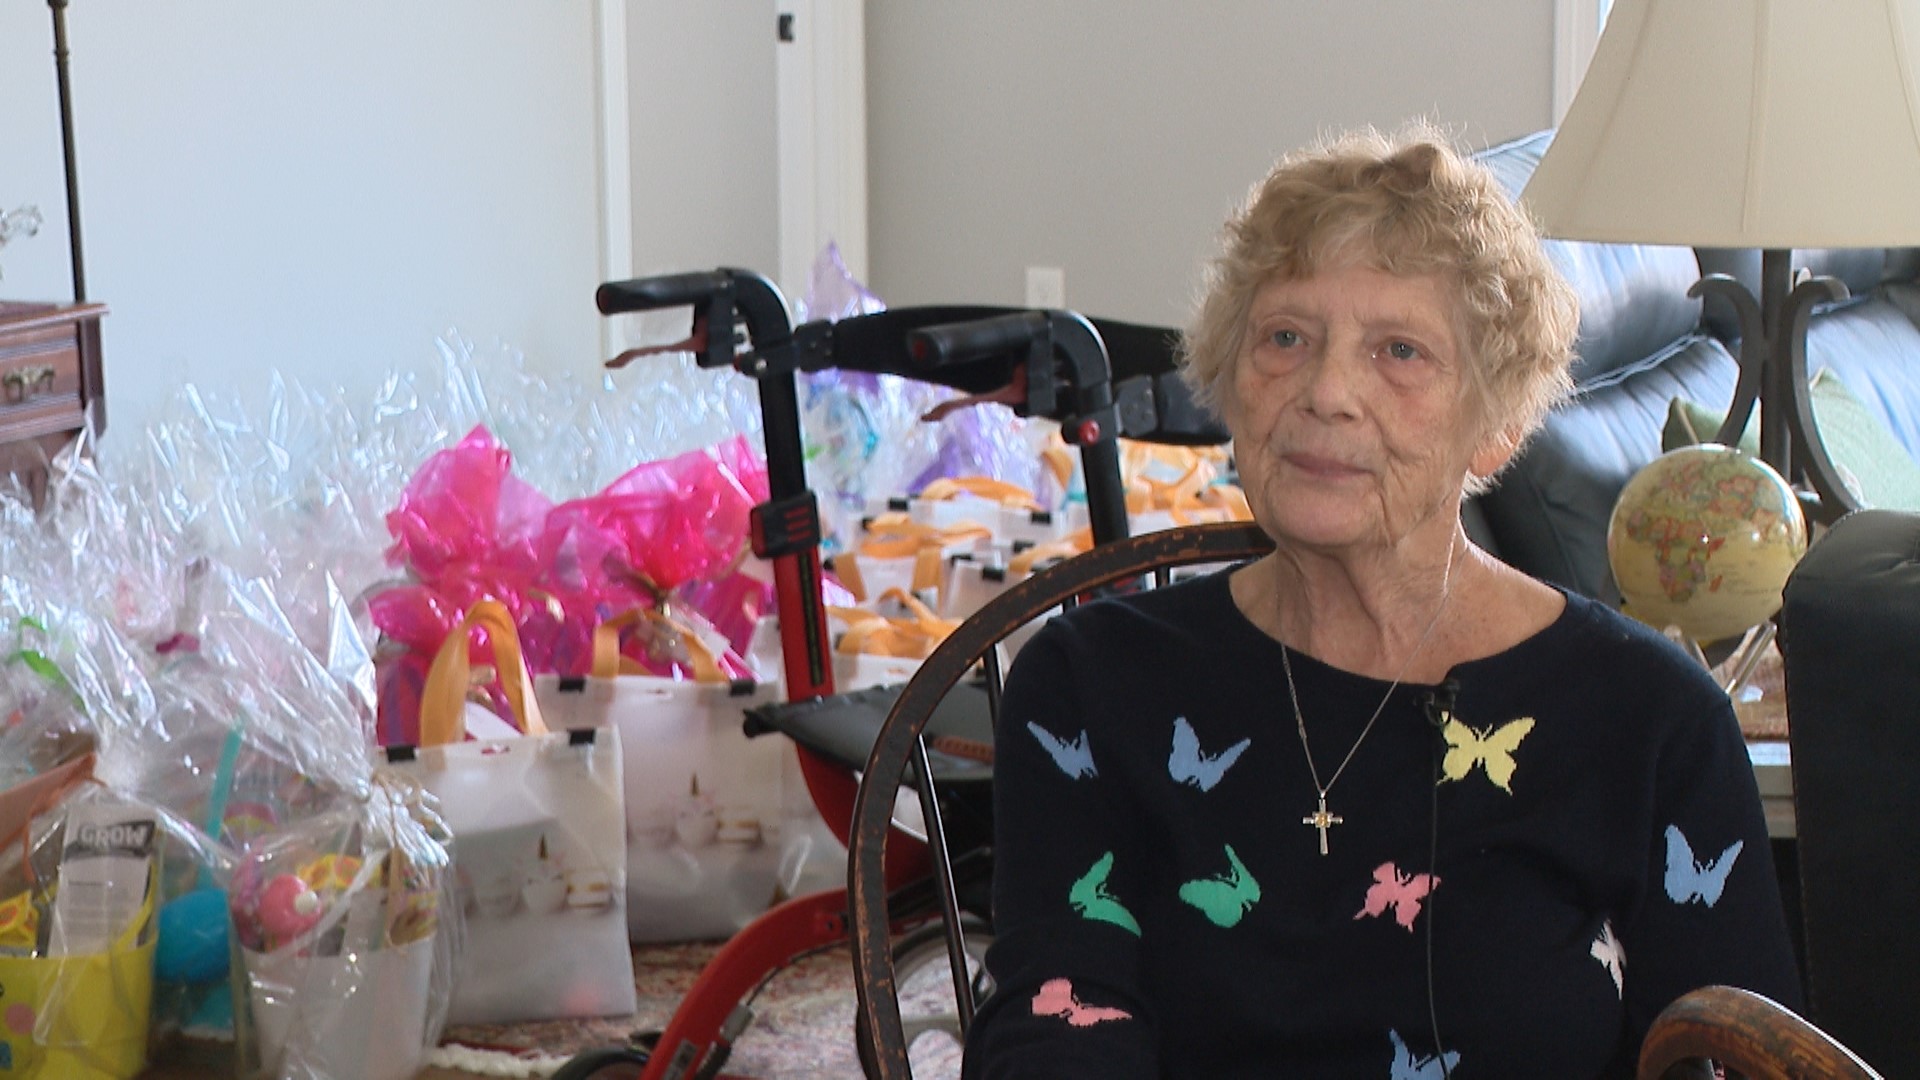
pixel 1052 364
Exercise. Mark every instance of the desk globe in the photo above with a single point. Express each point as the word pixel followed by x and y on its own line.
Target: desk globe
pixel 1703 538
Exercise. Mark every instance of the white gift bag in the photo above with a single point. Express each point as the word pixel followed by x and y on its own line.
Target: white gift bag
pixel 851 671
pixel 1171 486
pixel 896 552
pixel 360 1014
pixel 344 942
pixel 898 624
pixel 1024 526
pixel 539 846
pixel 948 502
pixel 719 825
pixel 971 583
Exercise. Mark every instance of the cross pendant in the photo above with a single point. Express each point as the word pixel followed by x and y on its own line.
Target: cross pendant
pixel 1322 820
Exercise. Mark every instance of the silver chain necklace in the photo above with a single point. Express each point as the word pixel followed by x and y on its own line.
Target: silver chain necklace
pixel 1321 819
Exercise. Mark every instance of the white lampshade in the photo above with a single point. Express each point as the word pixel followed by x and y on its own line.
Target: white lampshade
pixel 1742 123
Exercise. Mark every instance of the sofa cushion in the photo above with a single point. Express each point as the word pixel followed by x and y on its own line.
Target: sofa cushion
pixel 1873 465
pixel 1875 348
pixel 1550 509
pixel 1633 297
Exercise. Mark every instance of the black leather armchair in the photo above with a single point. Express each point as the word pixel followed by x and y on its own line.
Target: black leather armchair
pixel 1850 633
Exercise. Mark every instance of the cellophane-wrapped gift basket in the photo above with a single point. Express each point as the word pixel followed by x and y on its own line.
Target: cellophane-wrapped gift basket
pixel 179 738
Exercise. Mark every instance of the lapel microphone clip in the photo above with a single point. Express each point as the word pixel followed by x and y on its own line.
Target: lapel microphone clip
pixel 1438 703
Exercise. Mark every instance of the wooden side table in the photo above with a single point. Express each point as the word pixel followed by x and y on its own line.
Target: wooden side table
pixel 51 384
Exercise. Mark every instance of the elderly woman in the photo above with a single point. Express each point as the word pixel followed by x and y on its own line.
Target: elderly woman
pixel 1375 804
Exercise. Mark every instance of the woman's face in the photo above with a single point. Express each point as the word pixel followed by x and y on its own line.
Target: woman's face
pixel 1350 409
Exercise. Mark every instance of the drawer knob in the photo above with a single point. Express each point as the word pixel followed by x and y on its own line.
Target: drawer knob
pixel 24 382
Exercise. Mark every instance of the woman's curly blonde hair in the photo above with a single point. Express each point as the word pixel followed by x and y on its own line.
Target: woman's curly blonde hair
pixel 1408 204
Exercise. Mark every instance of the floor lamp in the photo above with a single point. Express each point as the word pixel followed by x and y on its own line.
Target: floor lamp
pixel 1770 124
pixel 59 10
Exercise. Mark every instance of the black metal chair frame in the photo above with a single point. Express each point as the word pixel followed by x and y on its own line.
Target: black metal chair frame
pixel 900 747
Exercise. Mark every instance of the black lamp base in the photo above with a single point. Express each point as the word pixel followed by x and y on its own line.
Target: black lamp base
pixel 1773 374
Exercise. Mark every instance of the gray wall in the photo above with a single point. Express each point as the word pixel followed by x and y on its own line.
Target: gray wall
pixel 1112 138
pixel 321 188
pixel 705 180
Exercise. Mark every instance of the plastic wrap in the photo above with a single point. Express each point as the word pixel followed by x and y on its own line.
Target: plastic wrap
pixel 261 744
pixel 216 726
pixel 864 433
pixel 339 936
pixel 202 589
pixel 295 492
pixel 93 1003
pixel 669 532
pixel 279 498
pixel 465 511
pixel 41 722
pixel 680 519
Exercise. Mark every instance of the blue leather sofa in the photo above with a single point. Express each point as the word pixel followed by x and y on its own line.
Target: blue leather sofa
pixel 1643 341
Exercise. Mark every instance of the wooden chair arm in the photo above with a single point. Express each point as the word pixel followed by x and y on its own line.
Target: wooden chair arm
pixel 1748 1034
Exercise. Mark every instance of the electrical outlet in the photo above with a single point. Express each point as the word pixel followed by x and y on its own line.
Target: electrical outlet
pixel 1046 287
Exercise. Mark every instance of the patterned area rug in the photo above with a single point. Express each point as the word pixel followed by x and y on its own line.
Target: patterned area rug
pixel 802 1027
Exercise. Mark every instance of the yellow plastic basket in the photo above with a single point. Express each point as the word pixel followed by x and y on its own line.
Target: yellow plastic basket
pixel 79 1017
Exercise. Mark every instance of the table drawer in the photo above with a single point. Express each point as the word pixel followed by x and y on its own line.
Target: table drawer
pixel 40 382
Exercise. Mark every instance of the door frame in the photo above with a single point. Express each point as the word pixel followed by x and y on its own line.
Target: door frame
pixel 821 100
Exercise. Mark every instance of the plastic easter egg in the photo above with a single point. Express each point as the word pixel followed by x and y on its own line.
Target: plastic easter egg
pixel 288 908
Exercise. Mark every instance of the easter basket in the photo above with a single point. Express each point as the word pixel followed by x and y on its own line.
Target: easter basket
pixel 77 930
pixel 343 938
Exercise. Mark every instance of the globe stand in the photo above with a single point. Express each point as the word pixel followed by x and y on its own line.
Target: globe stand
pixel 1746 659
pixel 1736 670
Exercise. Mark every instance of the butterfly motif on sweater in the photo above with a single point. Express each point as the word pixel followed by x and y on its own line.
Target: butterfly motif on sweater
pixel 1074 758
pixel 1056 998
pixel 1612 955
pixel 1089 897
pixel 1188 764
pixel 1400 891
pixel 1688 879
pixel 1408 1066
pixel 1224 899
pixel 1491 749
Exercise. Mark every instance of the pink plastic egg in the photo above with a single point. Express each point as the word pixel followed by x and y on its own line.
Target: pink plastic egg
pixel 288 908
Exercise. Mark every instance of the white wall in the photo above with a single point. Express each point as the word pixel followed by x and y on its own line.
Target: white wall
pixel 1111 137
pixel 322 188
pixel 326 188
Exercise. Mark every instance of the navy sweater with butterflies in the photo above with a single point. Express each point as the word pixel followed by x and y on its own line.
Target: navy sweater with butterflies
pixel 1576 842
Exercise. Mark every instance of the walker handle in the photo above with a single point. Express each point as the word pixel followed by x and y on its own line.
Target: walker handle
pixel 935 347
pixel 663 291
